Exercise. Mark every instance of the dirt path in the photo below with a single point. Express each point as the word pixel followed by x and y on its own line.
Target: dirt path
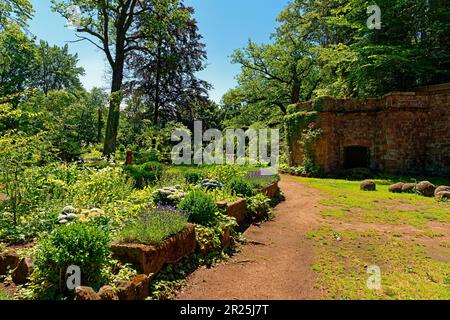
pixel 277 265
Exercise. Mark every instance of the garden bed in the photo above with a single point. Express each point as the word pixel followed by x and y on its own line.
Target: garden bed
pixel 149 259
pixel 235 209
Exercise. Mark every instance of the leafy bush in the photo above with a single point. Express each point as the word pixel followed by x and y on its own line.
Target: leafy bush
pixel 168 196
pixel 28 227
pixel 145 174
pixel 96 188
pixel 79 244
pixel 193 177
pixel 200 206
pixel 142 177
pixel 258 208
pixel 155 167
pixel 242 187
pixel 225 173
pixel 153 225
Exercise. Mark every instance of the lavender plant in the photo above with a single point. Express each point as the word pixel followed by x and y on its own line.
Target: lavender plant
pixel 153 225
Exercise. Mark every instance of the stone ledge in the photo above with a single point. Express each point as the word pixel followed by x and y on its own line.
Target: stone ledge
pixel 271 190
pixel 235 209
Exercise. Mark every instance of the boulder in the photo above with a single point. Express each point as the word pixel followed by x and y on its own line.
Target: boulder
pixel 396 188
pixel 86 293
pixel 443 195
pixel 108 293
pixel 440 189
pixel 368 185
pixel 136 289
pixel 9 260
pixel 425 188
pixel 409 188
pixel 23 271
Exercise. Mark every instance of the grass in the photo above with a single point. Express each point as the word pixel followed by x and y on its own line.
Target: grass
pixel 3 295
pixel 347 203
pixel 413 264
pixel 406 270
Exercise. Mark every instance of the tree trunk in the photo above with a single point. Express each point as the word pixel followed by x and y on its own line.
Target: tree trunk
pixel 158 80
pixel 112 126
pixel 99 126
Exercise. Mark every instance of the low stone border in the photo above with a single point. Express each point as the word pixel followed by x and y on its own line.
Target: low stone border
pixel 149 259
pixel 9 260
pixel 235 209
pixel 135 289
pixel 271 190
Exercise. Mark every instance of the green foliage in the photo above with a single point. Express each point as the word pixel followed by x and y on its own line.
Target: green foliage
pixel 153 225
pixel 168 195
pixel 302 126
pixel 16 55
pixel 94 189
pixel 79 244
pixel 242 187
pixel 193 176
pixel 144 175
pixel 151 155
pixel 16 11
pixel 200 206
pixel 224 173
pixel 258 208
pixel 18 153
pixel 56 69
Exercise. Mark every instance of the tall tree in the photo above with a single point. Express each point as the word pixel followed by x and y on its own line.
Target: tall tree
pixel 164 74
pixel 17 53
pixel 25 65
pixel 410 49
pixel 110 25
pixel 280 73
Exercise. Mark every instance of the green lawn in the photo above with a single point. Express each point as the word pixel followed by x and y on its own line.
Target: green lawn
pixel 344 201
pixel 414 264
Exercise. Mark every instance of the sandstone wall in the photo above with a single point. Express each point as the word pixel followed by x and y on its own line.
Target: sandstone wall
pixel 404 132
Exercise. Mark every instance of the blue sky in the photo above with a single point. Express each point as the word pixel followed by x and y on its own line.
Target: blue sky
pixel 225 25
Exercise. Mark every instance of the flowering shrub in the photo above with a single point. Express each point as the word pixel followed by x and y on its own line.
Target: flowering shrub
pixel 153 225
pixel 169 195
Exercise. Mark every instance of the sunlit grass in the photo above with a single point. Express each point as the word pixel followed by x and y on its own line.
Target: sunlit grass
pixel 344 201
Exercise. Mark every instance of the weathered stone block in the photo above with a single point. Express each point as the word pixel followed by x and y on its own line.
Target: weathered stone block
pixel 151 258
